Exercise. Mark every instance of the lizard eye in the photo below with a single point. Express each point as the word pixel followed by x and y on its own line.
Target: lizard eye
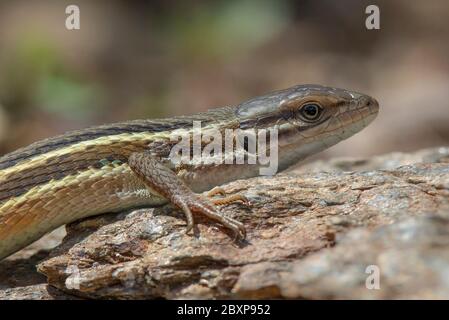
pixel 310 111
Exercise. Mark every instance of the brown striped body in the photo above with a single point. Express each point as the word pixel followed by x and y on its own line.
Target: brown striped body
pixel 60 180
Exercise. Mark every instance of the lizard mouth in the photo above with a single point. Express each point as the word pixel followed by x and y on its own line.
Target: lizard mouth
pixel 352 121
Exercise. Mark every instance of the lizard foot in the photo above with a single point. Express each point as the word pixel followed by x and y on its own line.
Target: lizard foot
pixel 204 206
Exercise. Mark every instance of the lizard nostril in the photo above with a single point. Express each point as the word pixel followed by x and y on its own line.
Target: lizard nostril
pixel 372 105
pixel 369 102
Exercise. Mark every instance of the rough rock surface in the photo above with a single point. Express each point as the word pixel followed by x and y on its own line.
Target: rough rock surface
pixel 310 235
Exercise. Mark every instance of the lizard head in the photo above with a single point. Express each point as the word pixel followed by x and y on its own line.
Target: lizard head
pixel 309 118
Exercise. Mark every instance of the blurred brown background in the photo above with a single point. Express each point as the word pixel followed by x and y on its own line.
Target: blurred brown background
pixel 142 59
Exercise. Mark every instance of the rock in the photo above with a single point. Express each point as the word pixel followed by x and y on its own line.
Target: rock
pixel 19 279
pixel 410 260
pixel 386 161
pixel 34 292
pixel 310 235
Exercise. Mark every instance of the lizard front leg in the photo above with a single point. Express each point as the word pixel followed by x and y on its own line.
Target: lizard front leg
pixel 164 181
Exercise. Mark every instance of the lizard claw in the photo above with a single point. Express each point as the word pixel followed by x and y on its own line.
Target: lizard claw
pixel 201 205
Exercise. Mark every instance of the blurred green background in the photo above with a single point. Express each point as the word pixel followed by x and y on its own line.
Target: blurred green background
pixel 152 59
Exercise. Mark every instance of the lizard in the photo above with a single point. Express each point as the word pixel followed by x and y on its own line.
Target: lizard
pixel 115 167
